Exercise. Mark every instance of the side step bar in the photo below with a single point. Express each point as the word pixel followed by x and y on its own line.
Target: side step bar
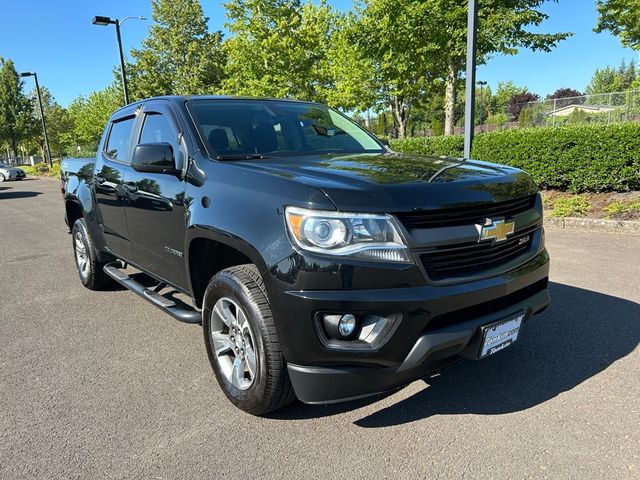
pixel 166 305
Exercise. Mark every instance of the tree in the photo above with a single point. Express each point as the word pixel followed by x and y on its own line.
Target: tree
pixel 518 102
pixel 566 96
pixel 483 104
pixel 610 79
pixel 90 114
pixel 504 93
pixel 179 56
pixel 501 29
pixel 622 18
pixel 352 74
pixel 59 123
pixel 278 48
pixel 17 121
pixel 390 42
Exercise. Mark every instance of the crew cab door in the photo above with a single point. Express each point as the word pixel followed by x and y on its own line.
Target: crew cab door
pixel 108 183
pixel 156 210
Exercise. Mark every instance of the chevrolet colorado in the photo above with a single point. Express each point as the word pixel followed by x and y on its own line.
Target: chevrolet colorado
pixel 321 264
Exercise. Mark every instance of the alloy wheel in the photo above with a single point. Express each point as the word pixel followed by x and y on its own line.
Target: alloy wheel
pixel 82 256
pixel 233 343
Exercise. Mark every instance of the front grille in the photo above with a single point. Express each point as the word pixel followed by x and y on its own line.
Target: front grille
pixel 473 258
pixel 470 215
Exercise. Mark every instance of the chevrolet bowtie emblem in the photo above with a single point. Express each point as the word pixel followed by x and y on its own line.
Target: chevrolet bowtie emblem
pixel 497 230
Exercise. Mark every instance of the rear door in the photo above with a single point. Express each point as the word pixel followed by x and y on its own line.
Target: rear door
pixel 110 195
pixel 156 210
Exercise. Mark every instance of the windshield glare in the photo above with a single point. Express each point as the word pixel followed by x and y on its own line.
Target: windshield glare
pixel 277 128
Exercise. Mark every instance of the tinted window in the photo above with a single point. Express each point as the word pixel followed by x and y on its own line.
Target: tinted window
pixel 119 137
pixel 277 128
pixel 157 129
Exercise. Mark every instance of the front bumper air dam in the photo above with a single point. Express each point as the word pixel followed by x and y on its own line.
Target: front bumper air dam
pixel 432 352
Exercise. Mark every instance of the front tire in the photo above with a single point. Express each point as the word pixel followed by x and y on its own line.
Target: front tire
pixel 89 266
pixel 242 344
pixel 2 179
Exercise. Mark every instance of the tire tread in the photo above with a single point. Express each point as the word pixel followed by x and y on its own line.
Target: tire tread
pixel 97 278
pixel 279 390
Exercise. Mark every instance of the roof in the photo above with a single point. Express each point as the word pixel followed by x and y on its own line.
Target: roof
pixel 567 109
pixel 180 99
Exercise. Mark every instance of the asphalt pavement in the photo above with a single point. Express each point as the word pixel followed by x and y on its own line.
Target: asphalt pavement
pixel 103 385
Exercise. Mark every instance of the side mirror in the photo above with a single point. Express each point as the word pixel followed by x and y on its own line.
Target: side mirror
pixel 154 158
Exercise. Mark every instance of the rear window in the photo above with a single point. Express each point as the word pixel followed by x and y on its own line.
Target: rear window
pixel 117 146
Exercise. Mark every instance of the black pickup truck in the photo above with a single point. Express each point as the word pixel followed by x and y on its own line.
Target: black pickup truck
pixel 321 264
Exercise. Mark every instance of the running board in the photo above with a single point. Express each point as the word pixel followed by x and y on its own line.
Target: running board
pixel 163 303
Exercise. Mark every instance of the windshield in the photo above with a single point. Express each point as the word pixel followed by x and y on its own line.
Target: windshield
pixel 277 128
pixel 3 165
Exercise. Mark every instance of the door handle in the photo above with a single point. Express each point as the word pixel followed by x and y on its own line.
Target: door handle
pixel 130 187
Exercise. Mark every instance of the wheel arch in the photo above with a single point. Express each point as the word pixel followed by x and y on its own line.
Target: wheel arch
pixel 209 251
pixel 73 211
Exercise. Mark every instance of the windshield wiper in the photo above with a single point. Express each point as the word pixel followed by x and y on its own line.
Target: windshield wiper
pixel 241 156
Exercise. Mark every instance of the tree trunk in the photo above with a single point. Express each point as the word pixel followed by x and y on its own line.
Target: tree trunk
pixel 401 114
pixel 450 99
pixel 14 145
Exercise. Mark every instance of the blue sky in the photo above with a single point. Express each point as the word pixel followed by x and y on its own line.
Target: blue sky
pixel 56 39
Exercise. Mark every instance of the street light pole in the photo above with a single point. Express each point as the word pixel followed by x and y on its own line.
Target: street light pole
pixel 44 124
pixel 483 106
pixel 103 21
pixel 470 102
pixel 122 71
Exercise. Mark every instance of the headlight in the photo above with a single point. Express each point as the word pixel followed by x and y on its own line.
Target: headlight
pixel 374 237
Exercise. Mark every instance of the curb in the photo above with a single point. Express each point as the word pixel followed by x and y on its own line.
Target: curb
pixel 598 224
pixel 43 177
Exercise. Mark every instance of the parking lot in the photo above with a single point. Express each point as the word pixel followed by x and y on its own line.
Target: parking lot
pixel 103 385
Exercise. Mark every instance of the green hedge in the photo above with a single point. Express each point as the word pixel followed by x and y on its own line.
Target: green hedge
pixel 581 158
pixel 450 146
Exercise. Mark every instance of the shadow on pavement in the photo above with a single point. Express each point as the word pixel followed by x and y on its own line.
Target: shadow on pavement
pixel 581 334
pixel 14 194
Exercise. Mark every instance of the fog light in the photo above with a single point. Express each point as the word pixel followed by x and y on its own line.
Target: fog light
pixel 340 326
pixel 359 331
pixel 347 325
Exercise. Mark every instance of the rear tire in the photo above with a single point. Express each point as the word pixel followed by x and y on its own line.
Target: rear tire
pixel 242 344
pixel 89 266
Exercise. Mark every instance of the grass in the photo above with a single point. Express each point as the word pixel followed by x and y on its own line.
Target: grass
pixel 619 208
pixel 575 206
pixel 611 205
pixel 42 170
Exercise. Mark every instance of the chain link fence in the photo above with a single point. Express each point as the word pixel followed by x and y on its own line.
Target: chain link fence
pixel 602 108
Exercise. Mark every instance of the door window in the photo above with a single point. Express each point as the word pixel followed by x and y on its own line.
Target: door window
pixel 117 146
pixel 157 129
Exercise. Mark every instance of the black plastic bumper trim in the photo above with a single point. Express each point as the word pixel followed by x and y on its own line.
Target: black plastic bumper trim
pixel 320 385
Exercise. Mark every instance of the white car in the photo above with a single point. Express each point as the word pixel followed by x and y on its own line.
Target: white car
pixel 10 173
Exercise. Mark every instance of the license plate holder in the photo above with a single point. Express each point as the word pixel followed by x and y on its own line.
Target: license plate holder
pixel 499 335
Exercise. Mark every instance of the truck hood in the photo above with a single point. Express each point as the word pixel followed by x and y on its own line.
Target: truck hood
pixel 394 182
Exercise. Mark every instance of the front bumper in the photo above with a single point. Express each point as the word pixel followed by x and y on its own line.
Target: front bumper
pixel 438 325
pixel 432 351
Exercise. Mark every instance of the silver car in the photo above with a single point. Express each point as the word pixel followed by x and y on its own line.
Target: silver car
pixel 10 173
